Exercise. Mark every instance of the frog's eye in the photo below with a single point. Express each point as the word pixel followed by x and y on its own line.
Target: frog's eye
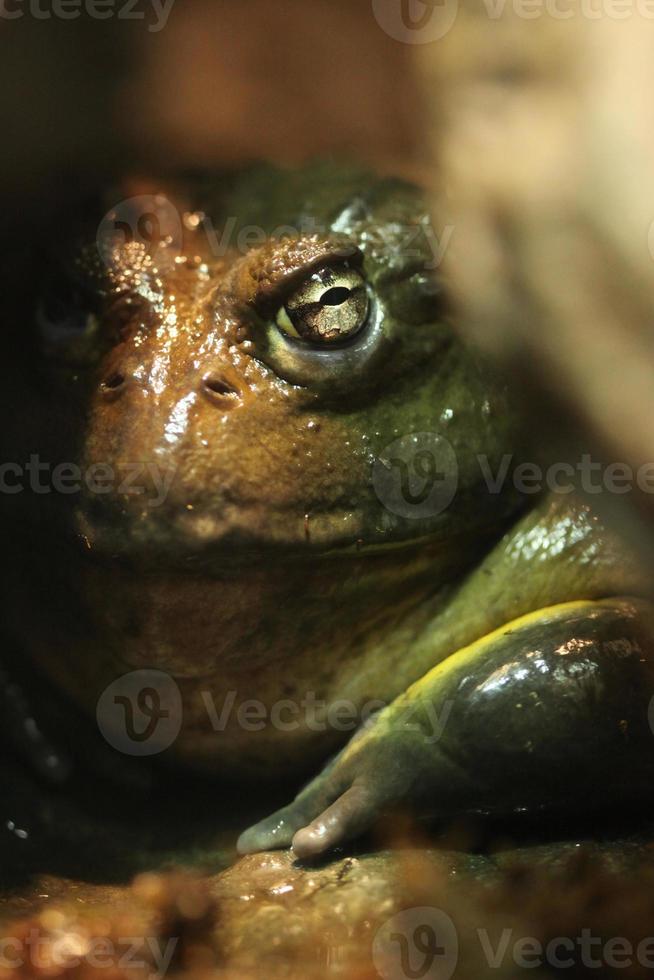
pixel 330 307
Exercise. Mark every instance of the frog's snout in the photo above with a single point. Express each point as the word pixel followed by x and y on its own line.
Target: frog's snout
pixel 215 386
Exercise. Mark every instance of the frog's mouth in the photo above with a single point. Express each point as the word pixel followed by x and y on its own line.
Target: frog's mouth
pixel 233 534
pixel 196 540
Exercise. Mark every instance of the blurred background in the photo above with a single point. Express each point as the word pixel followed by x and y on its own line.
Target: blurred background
pixel 217 82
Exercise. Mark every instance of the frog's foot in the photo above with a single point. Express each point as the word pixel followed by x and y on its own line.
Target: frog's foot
pixel 310 826
pixel 344 801
pixel 551 711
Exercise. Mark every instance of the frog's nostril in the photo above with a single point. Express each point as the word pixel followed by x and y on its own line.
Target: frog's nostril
pixel 219 389
pixel 113 383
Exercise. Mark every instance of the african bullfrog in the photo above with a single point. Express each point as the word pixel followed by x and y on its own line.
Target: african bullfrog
pixel 276 522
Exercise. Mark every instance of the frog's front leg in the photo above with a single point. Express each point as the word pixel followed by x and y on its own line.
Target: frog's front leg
pixel 549 711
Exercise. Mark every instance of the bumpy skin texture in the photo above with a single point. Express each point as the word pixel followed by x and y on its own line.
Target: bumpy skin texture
pixel 270 569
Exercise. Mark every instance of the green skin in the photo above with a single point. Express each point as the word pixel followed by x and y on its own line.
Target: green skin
pixel 271 568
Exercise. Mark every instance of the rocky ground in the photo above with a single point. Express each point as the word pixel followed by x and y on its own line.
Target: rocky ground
pixel 88 894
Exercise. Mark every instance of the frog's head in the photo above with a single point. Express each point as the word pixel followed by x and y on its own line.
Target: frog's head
pixel 249 377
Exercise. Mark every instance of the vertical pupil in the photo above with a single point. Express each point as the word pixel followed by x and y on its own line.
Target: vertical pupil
pixel 335 296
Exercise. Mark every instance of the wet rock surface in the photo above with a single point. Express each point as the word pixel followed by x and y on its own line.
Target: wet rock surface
pixel 354 916
pixel 78 870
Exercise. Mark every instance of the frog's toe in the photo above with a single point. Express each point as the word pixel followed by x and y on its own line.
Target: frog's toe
pixel 274 832
pixel 349 816
pixel 315 822
pixel 279 829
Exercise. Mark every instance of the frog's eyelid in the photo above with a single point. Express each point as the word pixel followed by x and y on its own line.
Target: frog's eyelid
pixel 270 296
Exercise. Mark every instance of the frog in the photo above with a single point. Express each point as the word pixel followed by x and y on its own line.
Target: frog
pixel 284 526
